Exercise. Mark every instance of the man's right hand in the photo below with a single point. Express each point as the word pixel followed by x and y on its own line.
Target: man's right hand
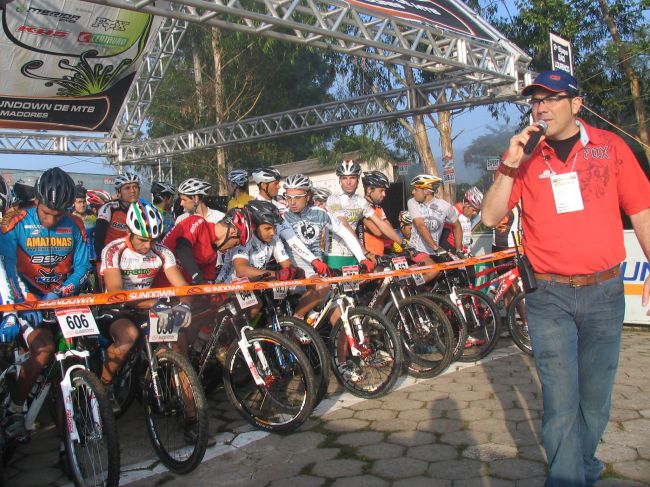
pixel 33 318
pixel 10 330
pixel 320 267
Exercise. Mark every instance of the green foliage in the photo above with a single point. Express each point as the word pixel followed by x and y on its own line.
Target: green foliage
pixel 259 76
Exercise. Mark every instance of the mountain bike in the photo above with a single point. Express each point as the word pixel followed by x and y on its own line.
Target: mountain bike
pixel 266 376
pixel 82 409
pixel 175 407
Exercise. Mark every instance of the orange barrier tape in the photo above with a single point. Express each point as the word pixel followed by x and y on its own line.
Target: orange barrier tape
pixel 118 297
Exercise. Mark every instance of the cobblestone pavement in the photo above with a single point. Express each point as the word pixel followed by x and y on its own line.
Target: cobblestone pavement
pixel 476 425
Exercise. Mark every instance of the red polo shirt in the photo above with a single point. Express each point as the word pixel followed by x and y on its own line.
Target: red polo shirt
pixel 590 240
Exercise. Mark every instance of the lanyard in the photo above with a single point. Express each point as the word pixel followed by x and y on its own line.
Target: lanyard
pixel 546 158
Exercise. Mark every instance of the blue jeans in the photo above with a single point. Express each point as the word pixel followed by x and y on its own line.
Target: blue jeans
pixel 576 337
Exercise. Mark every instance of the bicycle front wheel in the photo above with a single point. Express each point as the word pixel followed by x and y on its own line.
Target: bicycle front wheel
pixel 277 390
pixel 483 324
pixel 176 412
pixel 373 368
pixel 93 457
pixel 426 333
pixel 518 324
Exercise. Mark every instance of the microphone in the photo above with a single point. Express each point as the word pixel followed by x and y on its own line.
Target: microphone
pixel 535 136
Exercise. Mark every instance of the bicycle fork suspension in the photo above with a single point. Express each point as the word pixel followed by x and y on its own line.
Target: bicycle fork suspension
pixel 345 308
pixel 244 345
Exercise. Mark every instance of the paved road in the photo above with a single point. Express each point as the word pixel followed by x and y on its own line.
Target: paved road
pixel 477 425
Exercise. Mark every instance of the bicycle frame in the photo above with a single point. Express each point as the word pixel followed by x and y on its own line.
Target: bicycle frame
pixel 505 281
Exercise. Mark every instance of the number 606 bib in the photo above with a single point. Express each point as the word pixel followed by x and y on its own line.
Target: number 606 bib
pixel 76 322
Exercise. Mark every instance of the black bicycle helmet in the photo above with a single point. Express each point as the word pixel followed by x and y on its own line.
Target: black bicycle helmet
pixel 263 212
pixel 375 179
pixel 162 188
pixel 348 167
pixel 24 191
pixel 55 189
pixel 5 195
pixel 79 191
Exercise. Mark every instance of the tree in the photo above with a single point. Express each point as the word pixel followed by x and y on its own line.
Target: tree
pixel 611 43
pixel 223 76
pixel 491 144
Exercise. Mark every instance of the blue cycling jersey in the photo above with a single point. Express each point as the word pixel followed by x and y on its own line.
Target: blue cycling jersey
pixel 46 260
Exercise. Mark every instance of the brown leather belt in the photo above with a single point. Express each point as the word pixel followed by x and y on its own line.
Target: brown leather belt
pixel 580 280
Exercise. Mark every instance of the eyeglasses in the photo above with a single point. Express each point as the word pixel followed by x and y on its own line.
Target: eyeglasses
pixel 549 101
pixel 295 196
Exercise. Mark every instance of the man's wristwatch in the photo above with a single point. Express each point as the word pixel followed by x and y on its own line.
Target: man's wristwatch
pixel 509 171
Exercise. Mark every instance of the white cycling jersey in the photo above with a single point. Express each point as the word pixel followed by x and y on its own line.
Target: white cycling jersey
pixel 278 202
pixel 138 270
pixel 257 253
pixel 353 208
pixel 435 213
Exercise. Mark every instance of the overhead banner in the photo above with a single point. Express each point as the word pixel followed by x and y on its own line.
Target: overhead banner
pixel 440 13
pixel 67 64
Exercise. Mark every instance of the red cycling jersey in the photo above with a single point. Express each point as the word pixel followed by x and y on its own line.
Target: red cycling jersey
pixel 200 234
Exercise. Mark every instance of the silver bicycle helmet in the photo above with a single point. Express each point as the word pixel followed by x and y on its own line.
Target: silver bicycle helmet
pixel 348 168
pixel 162 187
pixel 375 179
pixel 6 195
pixel 320 194
pixel 474 197
pixel 126 178
pixel 238 177
pixel 193 186
pixel 298 181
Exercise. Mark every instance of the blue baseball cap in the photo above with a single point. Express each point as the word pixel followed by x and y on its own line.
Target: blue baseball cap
pixel 556 80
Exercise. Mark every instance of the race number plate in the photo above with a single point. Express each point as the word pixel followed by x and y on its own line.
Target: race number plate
pixel 350 270
pixel 76 322
pixel 157 333
pixel 400 263
pixel 280 292
pixel 246 299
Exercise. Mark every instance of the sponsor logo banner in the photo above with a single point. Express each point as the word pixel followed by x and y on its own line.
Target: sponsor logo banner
pixel 68 64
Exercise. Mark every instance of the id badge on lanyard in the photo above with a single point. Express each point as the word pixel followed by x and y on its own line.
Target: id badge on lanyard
pixel 566 190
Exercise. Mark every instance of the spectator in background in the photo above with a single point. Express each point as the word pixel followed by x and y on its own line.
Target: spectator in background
pixel 162 196
pixel 238 188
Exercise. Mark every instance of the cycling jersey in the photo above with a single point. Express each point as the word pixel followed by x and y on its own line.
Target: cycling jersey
pixel 257 253
pixel 239 201
pixel 200 235
pixel 371 242
pixel 353 208
pixel 309 226
pixel 110 225
pixel 213 216
pixel 466 224
pixel 435 213
pixel 138 270
pixel 46 260
pixel 167 218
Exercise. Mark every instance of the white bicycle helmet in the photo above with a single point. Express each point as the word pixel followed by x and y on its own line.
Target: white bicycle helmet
pixel 144 220
pixel 348 168
pixel 474 197
pixel 320 194
pixel 126 178
pixel 193 186
pixel 238 177
pixel 265 175
pixel 405 218
pixel 298 181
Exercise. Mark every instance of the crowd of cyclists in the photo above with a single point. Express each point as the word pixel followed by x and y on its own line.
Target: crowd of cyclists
pixel 68 240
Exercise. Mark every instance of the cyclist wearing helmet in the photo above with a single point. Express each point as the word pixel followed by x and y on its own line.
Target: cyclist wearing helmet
pixel 132 262
pixel 468 216
pixel 24 193
pixel 309 223
pixel 238 188
pixel 375 184
pixel 162 196
pixel 198 244
pixel 96 198
pixel 250 260
pixel 268 183
pixel 429 215
pixel 319 197
pixel 111 218
pixel 351 208
pixel 191 193
pixel 45 248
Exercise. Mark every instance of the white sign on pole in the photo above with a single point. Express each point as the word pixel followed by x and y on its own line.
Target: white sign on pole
pixel 403 168
pixel 561 54
pixel 493 163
